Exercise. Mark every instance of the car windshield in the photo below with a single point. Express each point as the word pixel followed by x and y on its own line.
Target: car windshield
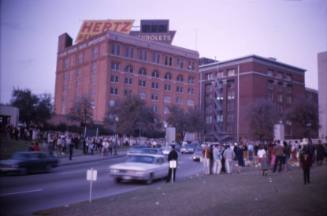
pixel 141 159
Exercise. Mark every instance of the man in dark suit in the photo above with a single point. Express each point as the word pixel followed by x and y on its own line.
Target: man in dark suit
pixel 172 156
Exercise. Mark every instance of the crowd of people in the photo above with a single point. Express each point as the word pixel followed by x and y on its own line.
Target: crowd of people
pixel 275 157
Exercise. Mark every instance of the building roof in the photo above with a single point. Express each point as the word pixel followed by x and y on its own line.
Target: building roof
pixel 252 58
pixel 125 38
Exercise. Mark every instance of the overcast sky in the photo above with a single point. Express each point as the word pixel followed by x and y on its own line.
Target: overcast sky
pixel 293 31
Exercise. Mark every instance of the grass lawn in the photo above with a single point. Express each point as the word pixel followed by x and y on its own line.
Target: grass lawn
pixel 9 146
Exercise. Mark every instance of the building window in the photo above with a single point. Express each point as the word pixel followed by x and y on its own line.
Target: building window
pixel 166 110
pixel 279 76
pixel 142 95
pixel 129 68
pixel 80 58
pixel 142 71
pixel 270 84
pixel 155 108
pixel 167 87
pixel 156 58
pixel 95 52
pixel 127 92
pixel 210 76
pixel 220 75
pixel 155 85
pixel 190 102
pixel 154 97
pixel 167 99
pixel 280 98
pixel 180 78
pixel 168 60
pixel 289 88
pixel 190 91
pixel 128 80
pixel 209 119
pixel 115 49
pixel 142 83
pixel 179 100
pixel 231 72
pixel 190 79
pixel 179 89
pixel 129 52
pixel 114 78
pixel 270 73
pixel 66 63
pixel 112 103
pixel 168 76
pixel 115 66
pixel 155 74
pixel 113 91
pixel 142 54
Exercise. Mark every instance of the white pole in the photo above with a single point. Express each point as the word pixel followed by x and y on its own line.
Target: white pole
pixel 90 200
pixel 172 175
pixel 238 104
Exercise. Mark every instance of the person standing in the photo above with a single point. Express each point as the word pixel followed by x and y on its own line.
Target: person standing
pixel 206 160
pixel 238 150
pixel 279 152
pixel 306 162
pixel 263 160
pixel 228 155
pixel 217 156
pixel 71 150
pixel 172 156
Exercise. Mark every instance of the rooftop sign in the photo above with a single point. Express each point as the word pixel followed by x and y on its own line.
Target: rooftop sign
pixel 91 28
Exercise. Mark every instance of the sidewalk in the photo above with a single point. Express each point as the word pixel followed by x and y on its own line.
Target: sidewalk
pixel 247 193
pixel 79 157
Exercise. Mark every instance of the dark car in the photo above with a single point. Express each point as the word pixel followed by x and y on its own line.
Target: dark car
pixel 28 162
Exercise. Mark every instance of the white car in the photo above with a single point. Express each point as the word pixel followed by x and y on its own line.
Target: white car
pixel 144 167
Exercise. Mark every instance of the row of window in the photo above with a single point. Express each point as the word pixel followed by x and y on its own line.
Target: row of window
pixel 115 66
pixel 157 58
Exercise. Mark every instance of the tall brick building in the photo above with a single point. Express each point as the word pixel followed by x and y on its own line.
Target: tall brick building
pixel 229 88
pixel 110 65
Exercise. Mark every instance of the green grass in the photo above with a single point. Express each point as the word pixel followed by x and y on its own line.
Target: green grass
pixel 9 146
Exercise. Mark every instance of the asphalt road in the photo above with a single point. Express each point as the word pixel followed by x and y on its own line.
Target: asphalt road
pixel 22 195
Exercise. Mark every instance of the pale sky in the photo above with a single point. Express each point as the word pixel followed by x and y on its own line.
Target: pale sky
pixel 293 31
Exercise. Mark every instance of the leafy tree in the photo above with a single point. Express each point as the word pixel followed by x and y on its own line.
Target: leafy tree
pixel 32 108
pixel 263 115
pixel 82 112
pixel 132 117
pixel 304 116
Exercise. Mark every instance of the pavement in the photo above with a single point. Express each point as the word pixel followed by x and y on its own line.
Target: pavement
pixel 246 193
pixel 79 157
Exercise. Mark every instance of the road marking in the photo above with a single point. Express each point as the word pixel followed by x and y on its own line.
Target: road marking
pixel 20 192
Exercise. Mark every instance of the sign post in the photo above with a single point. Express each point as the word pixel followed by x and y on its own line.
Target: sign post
pixel 91 175
pixel 172 166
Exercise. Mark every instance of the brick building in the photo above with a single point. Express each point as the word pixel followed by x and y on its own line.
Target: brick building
pixel 107 67
pixel 322 77
pixel 229 88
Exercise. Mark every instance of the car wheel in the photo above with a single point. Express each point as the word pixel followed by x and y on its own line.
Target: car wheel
pixel 117 180
pixel 150 179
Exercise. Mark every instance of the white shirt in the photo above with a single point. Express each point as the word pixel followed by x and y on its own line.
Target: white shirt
pixel 261 153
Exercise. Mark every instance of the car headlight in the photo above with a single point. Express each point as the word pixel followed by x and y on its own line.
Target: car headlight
pixel 114 171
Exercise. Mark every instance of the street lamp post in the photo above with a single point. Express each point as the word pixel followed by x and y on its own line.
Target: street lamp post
pixel 116 135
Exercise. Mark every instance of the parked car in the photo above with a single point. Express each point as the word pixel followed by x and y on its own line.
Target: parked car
pixel 144 167
pixel 28 162
pixel 188 149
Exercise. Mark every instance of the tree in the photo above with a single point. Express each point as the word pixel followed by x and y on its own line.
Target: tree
pixel 263 116
pixel 304 116
pixel 186 121
pixel 132 117
pixel 32 108
pixel 82 112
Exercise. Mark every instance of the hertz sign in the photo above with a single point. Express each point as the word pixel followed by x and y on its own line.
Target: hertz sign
pixel 91 28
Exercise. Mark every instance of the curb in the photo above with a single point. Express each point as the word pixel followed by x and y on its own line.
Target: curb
pixel 87 161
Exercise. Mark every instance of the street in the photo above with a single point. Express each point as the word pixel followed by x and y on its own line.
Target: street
pixel 23 195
